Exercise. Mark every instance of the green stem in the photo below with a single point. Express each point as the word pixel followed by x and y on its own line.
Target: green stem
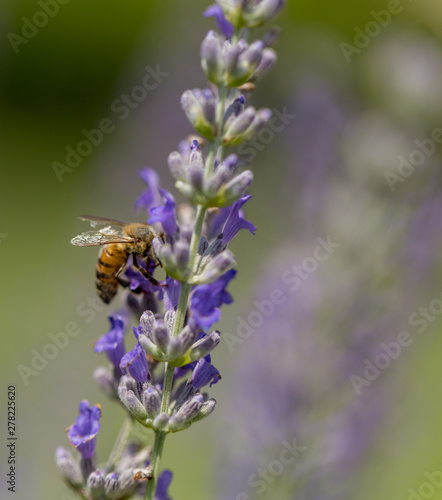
pixel 160 436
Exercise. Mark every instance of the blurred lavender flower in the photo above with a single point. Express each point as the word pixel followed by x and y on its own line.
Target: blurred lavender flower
pixel 164 481
pixel 225 26
pixel 150 197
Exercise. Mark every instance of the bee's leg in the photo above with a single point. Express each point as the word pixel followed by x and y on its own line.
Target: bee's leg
pixel 120 270
pixel 145 273
pixel 123 282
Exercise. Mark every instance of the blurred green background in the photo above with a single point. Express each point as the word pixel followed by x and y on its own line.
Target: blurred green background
pixel 64 80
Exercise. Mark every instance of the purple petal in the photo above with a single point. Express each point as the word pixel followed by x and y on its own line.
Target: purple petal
pixel 203 374
pixel 134 362
pixel 225 26
pixel 165 214
pixel 235 221
pixel 150 197
pixel 82 434
pixel 113 342
pixel 164 480
pixel 207 299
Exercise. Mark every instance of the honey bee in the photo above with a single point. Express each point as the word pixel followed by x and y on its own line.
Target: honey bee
pixel 120 240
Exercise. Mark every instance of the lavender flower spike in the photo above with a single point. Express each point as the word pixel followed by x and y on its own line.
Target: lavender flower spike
pixel 159 382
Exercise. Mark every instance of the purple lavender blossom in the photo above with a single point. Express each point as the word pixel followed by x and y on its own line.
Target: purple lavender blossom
pixel 235 221
pixel 207 299
pixel 165 214
pixel 83 434
pixel 164 480
pixel 150 197
pixel 217 222
pixel 113 342
pixel 296 378
pixel 134 363
pixel 224 25
pixel 203 374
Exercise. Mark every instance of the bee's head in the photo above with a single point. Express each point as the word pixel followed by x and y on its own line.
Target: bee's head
pixel 143 236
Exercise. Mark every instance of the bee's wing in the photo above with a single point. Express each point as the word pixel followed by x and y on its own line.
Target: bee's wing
pixel 103 237
pixel 101 221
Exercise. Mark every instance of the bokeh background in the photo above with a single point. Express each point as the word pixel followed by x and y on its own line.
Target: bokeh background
pixel 323 175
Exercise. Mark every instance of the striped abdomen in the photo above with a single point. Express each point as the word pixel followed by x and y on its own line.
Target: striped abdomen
pixel 110 260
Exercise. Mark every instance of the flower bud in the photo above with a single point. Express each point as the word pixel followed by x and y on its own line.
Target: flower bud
pixel 95 484
pixel 105 381
pixel 237 128
pixel 147 323
pixel 271 36
pixel 211 58
pixel 182 253
pixel 261 119
pixel 233 110
pixel 176 166
pixel 175 349
pixel 201 348
pixel 160 335
pixel 268 60
pixel 160 421
pixel 199 106
pixel 196 178
pixel 152 402
pixel 187 338
pixel 111 485
pixel 134 405
pixel 185 189
pixel 206 409
pixel 216 267
pixel 262 12
pixel 149 347
pixel 127 482
pixel 186 413
pixel 234 189
pixel 222 174
pixel 68 467
pixel 246 65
